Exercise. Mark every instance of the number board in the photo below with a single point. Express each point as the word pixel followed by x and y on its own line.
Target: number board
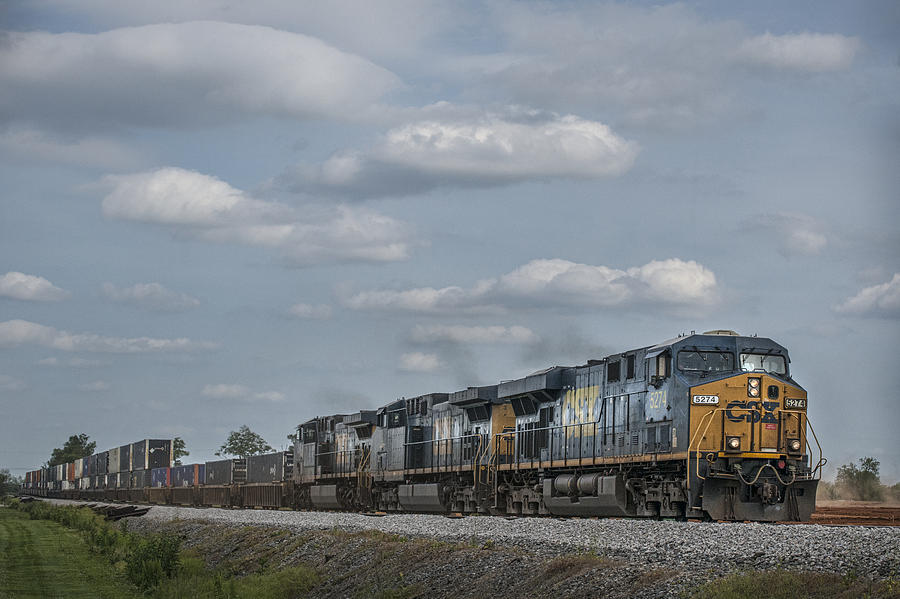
pixel 709 400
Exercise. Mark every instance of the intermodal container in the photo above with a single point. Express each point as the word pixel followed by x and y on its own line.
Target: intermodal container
pixel 269 467
pixel 70 472
pixel 221 472
pixel 139 455
pixel 79 468
pixel 125 458
pixel 159 477
pixel 140 479
pixel 113 459
pixel 185 476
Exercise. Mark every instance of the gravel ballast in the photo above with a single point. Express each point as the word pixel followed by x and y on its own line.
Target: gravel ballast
pixel 866 551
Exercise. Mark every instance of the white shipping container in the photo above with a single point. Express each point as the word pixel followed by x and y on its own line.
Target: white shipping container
pixel 79 468
pixel 114 460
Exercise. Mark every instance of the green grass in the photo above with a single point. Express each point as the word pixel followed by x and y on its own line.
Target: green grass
pixel 783 584
pixel 39 558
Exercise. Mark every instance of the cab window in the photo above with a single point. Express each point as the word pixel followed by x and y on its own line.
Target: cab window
pixel 768 363
pixel 705 361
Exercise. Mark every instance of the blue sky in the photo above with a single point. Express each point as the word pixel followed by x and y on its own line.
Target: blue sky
pixel 217 214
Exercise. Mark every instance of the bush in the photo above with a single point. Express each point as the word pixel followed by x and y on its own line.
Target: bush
pixel 152 558
pixel 861 482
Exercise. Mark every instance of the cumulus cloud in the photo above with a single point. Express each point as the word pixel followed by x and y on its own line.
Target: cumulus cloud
pixel 472 334
pixel 8 383
pixel 472 150
pixel 239 392
pixel 309 311
pixel 30 288
pixel 14 333
pixel 95 386
pixel 206 208
pixel 420 362
pixel 805 52
pixel 193 77
pixel 794 234
pixel 556 282
pixel 881 300
pixel 150 296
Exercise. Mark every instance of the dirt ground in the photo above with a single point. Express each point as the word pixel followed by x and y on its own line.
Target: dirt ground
pixel 865 513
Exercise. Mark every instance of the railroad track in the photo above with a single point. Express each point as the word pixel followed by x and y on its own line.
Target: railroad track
pixel 857 515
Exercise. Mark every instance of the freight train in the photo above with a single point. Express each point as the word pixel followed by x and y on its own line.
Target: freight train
pixel 708 426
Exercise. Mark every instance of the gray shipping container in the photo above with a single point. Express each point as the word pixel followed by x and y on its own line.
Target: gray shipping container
pixel 139 455
pixel 114 459
pixel 159 453
pixel 268 468
pixel 220 472
pixel 140 479
pixel 125 458
pixel 103 462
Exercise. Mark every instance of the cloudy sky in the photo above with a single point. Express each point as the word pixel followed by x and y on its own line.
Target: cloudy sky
pixel 215 213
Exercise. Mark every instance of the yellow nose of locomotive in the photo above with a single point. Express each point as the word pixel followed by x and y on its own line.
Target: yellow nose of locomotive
pixel 749 413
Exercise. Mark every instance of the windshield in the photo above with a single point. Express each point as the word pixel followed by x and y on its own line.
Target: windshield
pixel 769 363
pixel 705 361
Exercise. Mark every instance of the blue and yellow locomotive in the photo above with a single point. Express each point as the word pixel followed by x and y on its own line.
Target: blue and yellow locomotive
pixel 703 426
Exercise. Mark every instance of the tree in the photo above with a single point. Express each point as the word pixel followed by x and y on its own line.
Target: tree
pixel 244 442
pixel 861 482
pixel 9 484
pixel 178 450
pixel 76 447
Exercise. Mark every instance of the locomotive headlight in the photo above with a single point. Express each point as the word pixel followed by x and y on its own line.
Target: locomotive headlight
pixel 794 445
pixel 732 443
pixel 753 387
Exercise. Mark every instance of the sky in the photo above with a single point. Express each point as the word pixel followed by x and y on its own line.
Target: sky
pixel 216 213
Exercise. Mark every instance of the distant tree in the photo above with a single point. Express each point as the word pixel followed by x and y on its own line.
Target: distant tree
pixel 76 447
pixel 861 482
pixel 9 484
pixel 293 438
pixel 178 450
pixel 244 442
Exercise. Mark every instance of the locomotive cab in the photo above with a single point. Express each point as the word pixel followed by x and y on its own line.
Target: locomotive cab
pixel 748 452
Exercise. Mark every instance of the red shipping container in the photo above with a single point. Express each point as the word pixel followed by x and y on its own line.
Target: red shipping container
pixel 168 477
pixel 70 471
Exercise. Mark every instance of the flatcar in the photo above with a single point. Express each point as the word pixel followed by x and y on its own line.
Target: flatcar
pixel 705 425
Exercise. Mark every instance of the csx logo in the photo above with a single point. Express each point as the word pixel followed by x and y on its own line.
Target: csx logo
pixel 749 411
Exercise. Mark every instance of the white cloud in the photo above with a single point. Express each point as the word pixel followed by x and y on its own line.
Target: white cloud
pixel 794 234
pixel 315 312
pixel 420 362
pixel 806 52
pixel 663 66
pixel 452 149
pixel 389 28
pixel 878 300
pixel 665 283
pixel 473 334
pixel 32 288
pixel 95 386
pixel 150 296
pixel 32 145
pixel 8 383
pixel 72 362
pixel 193 76
pixel 239 392
pixel 14 333
pixel 211 210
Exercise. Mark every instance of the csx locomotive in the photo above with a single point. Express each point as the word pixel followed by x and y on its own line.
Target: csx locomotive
pixel 705 425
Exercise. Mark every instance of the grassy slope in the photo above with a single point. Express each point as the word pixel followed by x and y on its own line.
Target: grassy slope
pixel 39 558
